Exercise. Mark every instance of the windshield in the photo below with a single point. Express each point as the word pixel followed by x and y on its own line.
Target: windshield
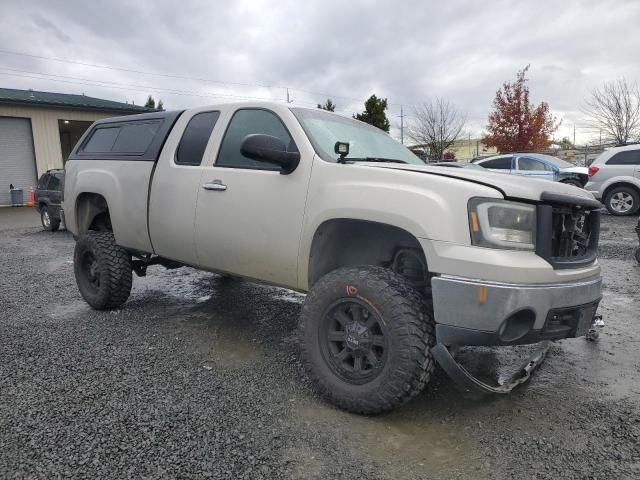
pixel 365 141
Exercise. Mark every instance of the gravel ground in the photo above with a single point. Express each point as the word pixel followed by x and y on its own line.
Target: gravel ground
pixel 197 377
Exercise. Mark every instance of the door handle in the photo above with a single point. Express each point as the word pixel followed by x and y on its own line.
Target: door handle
pixel 215 185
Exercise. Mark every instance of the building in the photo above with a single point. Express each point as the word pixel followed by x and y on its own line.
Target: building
pixel 463 150
pixel 39 129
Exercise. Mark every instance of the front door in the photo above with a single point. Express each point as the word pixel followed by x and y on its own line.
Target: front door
pixel 249 216
pixel 532 167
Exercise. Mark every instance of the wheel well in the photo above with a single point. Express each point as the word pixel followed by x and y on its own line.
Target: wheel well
pixel 348 242
pixel 620 184
pixel 92 213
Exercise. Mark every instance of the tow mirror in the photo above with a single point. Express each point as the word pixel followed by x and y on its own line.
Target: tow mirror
pixel 270 149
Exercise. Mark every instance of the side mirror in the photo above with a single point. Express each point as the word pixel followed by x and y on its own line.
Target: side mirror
pixel 269 149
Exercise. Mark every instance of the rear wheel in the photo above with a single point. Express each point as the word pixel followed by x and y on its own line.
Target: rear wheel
pixel 365 339
pixel 48 223
pixel 622 201
pixel 103 270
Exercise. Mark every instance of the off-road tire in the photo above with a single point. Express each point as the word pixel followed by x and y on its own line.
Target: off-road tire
pixel 409 324
pixel 54 223
pixel 113 266
pixel 628 190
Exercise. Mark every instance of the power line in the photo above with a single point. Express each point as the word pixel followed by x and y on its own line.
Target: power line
pixel 122 69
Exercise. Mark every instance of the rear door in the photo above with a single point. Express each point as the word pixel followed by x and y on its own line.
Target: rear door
pixel 54 192
pixel 176 185
pixel 532 167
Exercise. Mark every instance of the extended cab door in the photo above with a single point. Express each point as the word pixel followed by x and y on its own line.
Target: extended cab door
pixel 249 216
pixel 176 185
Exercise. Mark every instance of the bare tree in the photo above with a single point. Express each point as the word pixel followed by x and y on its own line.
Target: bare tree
pixel 615 108
pixel 437 125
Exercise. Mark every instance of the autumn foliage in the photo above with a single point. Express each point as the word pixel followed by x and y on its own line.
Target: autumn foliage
pixel 516 125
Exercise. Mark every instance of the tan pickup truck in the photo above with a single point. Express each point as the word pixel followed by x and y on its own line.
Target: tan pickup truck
pixel 401 261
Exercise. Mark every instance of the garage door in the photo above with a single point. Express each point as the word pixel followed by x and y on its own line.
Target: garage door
pixel 17 161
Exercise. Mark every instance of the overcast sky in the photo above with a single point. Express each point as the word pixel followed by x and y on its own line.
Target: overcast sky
pixel 406 51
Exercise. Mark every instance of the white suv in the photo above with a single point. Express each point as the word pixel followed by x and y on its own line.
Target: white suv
pixel 614 179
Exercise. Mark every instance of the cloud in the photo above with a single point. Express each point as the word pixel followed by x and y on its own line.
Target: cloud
pixel 407 51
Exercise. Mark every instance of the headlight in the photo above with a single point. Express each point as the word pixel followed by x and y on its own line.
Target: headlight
pixel 502 224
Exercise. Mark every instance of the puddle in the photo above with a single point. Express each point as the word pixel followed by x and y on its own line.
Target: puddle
pixel 221 339
pixel 404 443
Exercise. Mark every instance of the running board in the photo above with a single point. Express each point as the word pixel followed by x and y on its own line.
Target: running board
pixel 477 388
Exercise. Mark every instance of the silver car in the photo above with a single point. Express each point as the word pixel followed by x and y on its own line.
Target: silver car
pixel 614 179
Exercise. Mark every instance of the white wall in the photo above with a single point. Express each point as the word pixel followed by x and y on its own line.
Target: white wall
pixel 46 134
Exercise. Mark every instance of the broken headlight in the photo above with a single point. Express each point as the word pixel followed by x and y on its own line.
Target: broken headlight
pixel 498 223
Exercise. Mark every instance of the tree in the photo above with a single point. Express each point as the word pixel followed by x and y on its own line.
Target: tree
pixel 437 125
pixel 566 144
pixel 328 106
pixel 151 103
pixel 516 125
pixel 615 108
pixel 373 114
pixel 449 156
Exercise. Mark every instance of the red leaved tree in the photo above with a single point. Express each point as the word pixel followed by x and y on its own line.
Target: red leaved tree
pixel 516 125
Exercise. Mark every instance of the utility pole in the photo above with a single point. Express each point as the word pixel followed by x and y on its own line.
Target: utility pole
pixel 401 125
pixel 289 99
pixel 574 134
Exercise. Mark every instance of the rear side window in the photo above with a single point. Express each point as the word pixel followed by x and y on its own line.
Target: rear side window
pixel 502 163
pixel 246 122
pixel 54 183
pixel 125 139
pixel 195 138
pixel 630 157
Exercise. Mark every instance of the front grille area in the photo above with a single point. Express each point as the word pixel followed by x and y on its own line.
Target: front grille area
pixel 571 232
pixel 567 234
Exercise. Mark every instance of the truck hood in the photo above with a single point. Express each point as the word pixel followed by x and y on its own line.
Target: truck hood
pixel 511 186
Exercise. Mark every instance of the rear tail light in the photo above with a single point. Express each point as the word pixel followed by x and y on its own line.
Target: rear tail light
pixel 593 170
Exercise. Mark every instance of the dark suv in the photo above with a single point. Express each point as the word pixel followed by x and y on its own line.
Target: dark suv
pixel 48 197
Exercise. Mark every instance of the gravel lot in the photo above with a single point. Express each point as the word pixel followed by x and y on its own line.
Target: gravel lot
pixel 197 377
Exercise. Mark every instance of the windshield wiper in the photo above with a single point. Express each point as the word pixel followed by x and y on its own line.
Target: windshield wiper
pixel 371 159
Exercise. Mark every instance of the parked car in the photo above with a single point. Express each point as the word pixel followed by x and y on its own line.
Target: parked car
pixel 614 178
pixel 472 166
pixel 537 165
pixel 48 199
pixel 401 261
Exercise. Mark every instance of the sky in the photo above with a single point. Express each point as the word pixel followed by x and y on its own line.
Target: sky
pixel 193 53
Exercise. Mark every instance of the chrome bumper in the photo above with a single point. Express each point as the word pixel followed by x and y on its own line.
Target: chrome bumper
pixel 474 312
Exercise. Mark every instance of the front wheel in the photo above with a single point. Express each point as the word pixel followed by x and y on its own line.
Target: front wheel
pixel 103 270
pixel 365 338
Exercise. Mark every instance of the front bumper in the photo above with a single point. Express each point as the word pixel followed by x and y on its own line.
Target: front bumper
pixel 476 312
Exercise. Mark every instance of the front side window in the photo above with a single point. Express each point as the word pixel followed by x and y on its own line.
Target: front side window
pixel 44 180
pixel 195 138
pixel 630 157
pixel 533 165
pixel 501 163
pixel 365 141
pixel 247 122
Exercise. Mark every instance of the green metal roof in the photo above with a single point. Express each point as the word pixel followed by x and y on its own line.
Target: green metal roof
pixel 65 100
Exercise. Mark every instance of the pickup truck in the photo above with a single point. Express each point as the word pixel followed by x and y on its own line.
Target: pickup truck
pixel 401 262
